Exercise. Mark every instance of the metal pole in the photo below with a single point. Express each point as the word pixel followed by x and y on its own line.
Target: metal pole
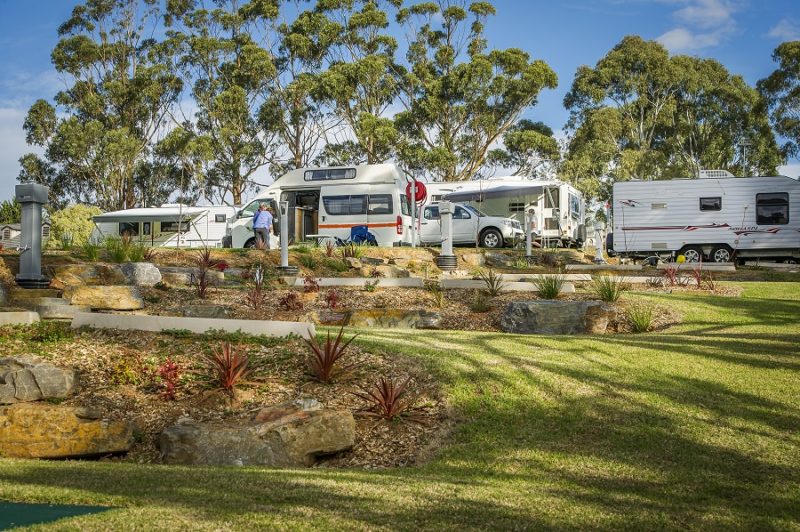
pixel 284 267
pixel 413 213
pixel 446 260
pixel 528 236
pixel 599 244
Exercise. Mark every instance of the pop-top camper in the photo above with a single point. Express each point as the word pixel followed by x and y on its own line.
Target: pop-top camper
pixel 170 225
pixel 330 202
pixel 714 217
pixel 558 208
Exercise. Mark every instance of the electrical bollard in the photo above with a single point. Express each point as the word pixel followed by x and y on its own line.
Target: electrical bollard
pixel 31 197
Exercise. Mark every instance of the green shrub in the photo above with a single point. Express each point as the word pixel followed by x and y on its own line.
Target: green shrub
pixel 116 249
pixel 336 265
pixel 437 292
pixel 494 282
pixel 302 248
pixel 640 316
pixel 609 287
pixel 48 332
pixel 480 302
pixel 308 261
pixel 76 221
pixel 371 286
pixel 549 287
pixel 136 252
pixel 353 250
pixel 91 251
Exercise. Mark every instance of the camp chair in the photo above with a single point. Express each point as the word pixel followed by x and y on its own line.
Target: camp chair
pixel 359 234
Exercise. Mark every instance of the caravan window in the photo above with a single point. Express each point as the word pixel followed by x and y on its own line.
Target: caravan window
pixel 219 218
pixel 574 206
pixel 128 228
pixel 516 206
pixel 551 199
pixel 146 228
pixel 172 227
pixel 711 204
pixel 345 205
pixel 329 174
pixel 772 208
pixel 405 208
pixel 380 204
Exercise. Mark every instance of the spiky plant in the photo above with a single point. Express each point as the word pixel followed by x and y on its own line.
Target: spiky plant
pixel 326 360
pixel 387 399
pixel 229 366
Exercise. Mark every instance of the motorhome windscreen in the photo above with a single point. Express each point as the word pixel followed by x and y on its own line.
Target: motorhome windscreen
pixel 772 208
pixel 329 174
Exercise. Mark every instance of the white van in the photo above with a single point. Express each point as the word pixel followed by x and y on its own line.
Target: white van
pixel 329 202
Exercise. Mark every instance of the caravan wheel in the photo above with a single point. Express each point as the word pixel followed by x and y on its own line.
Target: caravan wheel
pixel 692 253
pixel 721 253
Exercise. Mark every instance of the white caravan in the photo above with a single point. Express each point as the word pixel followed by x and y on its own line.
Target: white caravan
pixel 558 208
pixel 714 217
pixel 170 225
pixel 330 202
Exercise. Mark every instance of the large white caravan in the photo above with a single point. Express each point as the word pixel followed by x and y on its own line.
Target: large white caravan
pixel 714 217
pixel 170 225
pixel 558 208
pixel 329 202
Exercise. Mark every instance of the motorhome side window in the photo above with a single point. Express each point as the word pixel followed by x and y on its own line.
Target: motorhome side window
pixel 329 174
pixel 772 208
pixel 380 204
pixel 344 205
pixel 172 227
pixel 219 218
pixel 711 204
pixel 405 207
pixel 574 206
pixel 129 229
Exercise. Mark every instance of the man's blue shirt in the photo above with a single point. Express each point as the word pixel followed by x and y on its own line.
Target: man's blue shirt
pixel 262 220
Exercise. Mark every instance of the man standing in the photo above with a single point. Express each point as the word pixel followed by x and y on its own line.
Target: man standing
pixel 262 226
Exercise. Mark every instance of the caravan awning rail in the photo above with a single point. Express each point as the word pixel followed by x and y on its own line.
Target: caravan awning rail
pixel 504 191
pixel 151 214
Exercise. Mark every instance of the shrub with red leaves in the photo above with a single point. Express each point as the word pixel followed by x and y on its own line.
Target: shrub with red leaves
pixel 330 248
pixel 324 361
pixel 170 374
pixel 310 284
pixel 229 366
pixel 290 301
pixel 387 399
pixel 332 298
pixel 222 266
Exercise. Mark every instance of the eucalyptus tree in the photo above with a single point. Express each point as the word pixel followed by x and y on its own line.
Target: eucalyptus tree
pixel 459 96
pixel 224 50
pixel 529 149
pixel 98 137
pixel 781 90
pixel 360 82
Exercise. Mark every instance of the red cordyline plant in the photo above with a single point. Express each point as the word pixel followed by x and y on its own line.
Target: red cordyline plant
pixel 324 362
pixel 387 399
pixel 330 248
pixel 170 374
pixel 229 366
pixel 697 274
pixel 200 278
pixel 671 274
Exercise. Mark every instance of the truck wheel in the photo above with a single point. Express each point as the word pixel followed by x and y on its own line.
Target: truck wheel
pixel 250 244
pixel 491 238
pixel 692 253
pixel 721 253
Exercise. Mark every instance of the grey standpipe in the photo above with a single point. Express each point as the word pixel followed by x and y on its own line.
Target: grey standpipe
pixel 284 267
pixel 598 237
pixel 529 213
pixel 413 213
pixel 31 197
pixel 446 260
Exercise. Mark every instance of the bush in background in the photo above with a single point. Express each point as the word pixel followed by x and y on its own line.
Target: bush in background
pixel 73 224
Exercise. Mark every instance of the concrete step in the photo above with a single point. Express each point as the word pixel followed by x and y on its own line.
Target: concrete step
pixel 60 312
pixel 18 295
pixel 18 318
pixel 50 301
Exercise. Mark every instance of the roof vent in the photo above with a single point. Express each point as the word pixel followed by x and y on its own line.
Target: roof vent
pixel 714 174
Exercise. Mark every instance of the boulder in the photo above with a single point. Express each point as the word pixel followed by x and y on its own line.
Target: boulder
pixel 474 259
pixel 176 278
pixel 30 378
pixel 498 260
pixel 87 274
pixel 373 261
pixel 55 431
pixel 395 319
pixel 557 317
pixel 141 274
pixel 392 272
pixel 205 311
pixel 106 297
pixel 286 435
pixel 352 262
pixel 329 317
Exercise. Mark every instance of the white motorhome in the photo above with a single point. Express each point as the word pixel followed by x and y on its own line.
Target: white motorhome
pixel 170 225
pixel 329 202
pixel 558 208
pixel 714 217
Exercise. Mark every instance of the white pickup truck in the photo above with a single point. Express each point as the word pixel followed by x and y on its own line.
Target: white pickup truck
pixel 470 224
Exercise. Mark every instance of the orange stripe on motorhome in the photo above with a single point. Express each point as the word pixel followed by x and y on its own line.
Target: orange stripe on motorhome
pixel 348 226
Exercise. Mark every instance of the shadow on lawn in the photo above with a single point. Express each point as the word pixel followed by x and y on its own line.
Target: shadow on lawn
pixel 556 432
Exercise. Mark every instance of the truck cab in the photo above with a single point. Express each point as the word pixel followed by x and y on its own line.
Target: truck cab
pixel 470 225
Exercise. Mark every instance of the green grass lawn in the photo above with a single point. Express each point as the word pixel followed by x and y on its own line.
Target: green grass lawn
pixel 697 426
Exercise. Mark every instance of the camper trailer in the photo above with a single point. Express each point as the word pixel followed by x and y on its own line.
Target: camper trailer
pixel 714 217
pixel 170 225
pixel 558 208
pixel 330 202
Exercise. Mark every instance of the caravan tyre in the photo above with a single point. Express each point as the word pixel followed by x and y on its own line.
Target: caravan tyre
pixel 692 253
pixel 491 238
pixel 721 253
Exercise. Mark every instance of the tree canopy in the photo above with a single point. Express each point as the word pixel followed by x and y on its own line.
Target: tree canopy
pixel 781 91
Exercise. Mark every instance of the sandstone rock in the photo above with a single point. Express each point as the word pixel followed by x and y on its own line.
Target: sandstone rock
pixel 51 431
pixel 329 317
pixel 274 412
pixel 352 262
pixel 141 274
pixel 30 378
pixel 288 436
pixel 401 263
pixel 87 274
pixel 557 317
pixel 497 259
pixel 474 259
pixel 205 311
pixel 392 272
pixel 176 278
pixel 106 297
pixel 373 261
pixel 395 319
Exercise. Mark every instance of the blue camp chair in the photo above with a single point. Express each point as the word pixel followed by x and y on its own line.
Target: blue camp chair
pixel 359 234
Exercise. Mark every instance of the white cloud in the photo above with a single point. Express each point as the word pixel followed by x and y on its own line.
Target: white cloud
pixel 701 24
pixel 786 29
pixel 12 147
pixel 790 170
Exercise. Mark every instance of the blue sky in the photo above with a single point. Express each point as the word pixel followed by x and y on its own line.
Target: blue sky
pixel 741 34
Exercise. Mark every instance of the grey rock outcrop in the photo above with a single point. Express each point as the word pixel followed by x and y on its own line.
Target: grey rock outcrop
pixel 286 435
pixel 141 273
pixel 30 378
pixel 557 317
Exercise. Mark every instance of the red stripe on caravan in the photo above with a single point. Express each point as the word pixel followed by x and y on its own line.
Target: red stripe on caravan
pixel 347 226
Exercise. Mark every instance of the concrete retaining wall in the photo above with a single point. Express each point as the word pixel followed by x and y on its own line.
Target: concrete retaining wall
pixel 403 282
pixel 195 325
pixel 18 318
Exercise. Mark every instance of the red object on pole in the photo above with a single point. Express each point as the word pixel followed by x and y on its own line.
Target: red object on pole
pixel 421 192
